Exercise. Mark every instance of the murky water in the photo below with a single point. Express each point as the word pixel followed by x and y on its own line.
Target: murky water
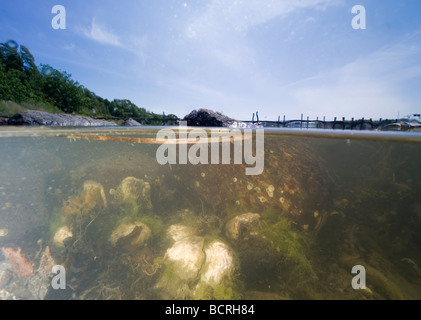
pixel 122 226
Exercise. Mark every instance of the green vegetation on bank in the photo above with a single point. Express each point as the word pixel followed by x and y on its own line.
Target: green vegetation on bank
pixel 23 85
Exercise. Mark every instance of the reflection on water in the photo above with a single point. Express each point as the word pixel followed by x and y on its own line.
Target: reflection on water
pixel 124 227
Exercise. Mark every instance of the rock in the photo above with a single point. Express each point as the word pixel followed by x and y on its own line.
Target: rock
pixel 132 234
pixel 5 295
pixel 240 225
pixel 19 261
pixel 62 235
pixel 208 118
pixel 4 121
pixel 29 285
pixel 131 123
pixel 34 118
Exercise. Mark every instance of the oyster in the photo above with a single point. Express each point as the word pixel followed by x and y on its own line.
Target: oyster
pixel 178 232
pixel 193 269
pixel 187 256
pixel 92 196
pixel 219 263
pixel 62 235
pixel 135 189
pixel 240 224
pixel 294 183
pixel 132 234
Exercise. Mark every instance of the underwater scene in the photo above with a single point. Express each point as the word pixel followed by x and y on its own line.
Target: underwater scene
pixel 91 214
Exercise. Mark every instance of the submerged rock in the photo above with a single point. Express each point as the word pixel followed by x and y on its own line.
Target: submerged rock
pixel 20 280
pixel 19 261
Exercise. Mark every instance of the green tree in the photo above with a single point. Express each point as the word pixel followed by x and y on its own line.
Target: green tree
pixel 10 56
pixel 13 86
pixel 65 93
pixel 22 81
pixel 28 60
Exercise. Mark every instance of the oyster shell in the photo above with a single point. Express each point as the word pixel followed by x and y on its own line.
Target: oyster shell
pixel 135 189
pixel 132 234
pixel 219 263
pixel 61 235
pixel 237 225
pixel 92 196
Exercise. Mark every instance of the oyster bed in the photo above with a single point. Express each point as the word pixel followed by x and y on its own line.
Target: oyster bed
pixel 124 227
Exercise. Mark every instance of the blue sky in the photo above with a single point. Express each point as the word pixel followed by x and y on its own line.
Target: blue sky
pixel 278 57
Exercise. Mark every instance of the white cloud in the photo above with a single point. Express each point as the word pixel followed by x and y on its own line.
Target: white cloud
pixel 69 47
pixel 101 34
pixel 134 44
pixel 241 15
pixel 218 34
pixel 310 19
pixel 372 86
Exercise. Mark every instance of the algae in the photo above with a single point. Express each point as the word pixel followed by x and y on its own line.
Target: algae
pixel 290 244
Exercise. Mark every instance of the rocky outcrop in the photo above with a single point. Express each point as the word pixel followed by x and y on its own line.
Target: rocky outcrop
pixel 131 123
pixel 208 118
pixel 3 121
pixel 40 118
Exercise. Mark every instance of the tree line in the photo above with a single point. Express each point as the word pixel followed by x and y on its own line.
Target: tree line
pixel 21 80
